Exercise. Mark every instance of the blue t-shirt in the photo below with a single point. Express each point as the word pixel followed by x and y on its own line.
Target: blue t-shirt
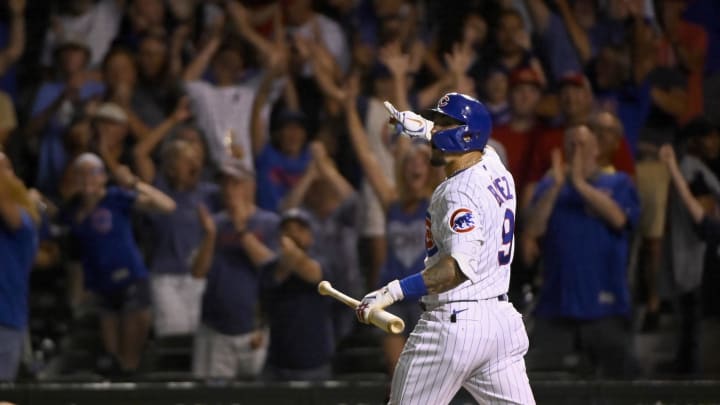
pixel 405 235
pixel 175 237
pixel 17 253
pixel 52 158
pixel 230 301
pixel 110 256
pixel 301 328
pixel 277 174
pixel 585 260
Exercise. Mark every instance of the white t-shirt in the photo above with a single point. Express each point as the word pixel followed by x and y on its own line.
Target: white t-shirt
pixel 222 109
pixel 218 110
pixel 97 28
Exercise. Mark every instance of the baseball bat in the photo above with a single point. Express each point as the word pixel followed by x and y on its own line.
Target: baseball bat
pixel 378 317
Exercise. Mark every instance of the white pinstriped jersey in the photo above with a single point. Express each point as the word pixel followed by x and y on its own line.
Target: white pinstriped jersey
pixel 472 217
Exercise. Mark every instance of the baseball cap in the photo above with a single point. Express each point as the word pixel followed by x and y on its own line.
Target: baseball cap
pixel 291 117
pixel 524 76
pixel 296 214
pixel 90 159
pixel 111 112
pixel 574 79
pixel 71 40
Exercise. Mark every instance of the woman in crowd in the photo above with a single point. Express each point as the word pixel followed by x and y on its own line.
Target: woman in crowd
pixel 99 218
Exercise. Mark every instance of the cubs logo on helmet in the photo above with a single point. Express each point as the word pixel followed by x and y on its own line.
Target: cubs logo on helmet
pixel 443 101
pixel 474 123
pixel 462 221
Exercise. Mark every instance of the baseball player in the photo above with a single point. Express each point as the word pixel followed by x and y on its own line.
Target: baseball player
pixel 469 335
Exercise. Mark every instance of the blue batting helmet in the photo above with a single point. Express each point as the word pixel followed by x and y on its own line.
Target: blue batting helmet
pixel 474 119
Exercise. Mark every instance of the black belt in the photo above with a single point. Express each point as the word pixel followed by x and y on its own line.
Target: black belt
pixel 501 297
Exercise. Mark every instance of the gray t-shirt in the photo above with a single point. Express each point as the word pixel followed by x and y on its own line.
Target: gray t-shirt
pixel 683 244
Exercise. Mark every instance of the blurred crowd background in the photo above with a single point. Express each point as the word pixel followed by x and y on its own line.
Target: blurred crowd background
pixel 180 174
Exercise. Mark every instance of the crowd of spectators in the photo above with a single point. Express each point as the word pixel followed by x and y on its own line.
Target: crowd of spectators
pixel 208 162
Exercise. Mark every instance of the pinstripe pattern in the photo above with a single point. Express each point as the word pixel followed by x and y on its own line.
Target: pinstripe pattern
pixel 469 190
pixel 483 350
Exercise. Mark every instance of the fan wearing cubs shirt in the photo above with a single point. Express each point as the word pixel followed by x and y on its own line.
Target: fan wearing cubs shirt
pixel 469 335
pixel 99 219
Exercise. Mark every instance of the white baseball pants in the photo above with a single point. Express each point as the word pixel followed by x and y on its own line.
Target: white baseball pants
pixel 481 351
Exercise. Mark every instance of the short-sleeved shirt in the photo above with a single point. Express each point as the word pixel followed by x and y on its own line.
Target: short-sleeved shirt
pixel 585 260
pixel 17 250
pixel 97 26
pixel 301 328
pixel 472 218
pixel 685 251
pixel 338 235
pixel 110 256
pixel 219 110
pixel 230 302
pixel 175 237
pixel 541 160
pixel 277 174
pixel 519 148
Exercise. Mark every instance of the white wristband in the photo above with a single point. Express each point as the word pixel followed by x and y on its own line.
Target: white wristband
pixel 395 290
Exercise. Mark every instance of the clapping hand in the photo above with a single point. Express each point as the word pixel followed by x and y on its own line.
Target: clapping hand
pixel 558 167
pixel 667 155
